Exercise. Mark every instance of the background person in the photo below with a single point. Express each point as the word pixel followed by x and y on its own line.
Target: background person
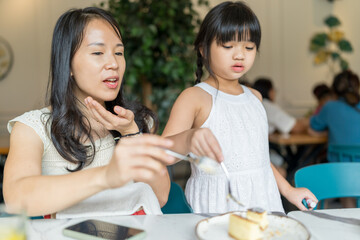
pixel 278 119
pixel 340 118
pixel 323 94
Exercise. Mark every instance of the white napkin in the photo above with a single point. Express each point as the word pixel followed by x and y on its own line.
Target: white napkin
pixel 121 201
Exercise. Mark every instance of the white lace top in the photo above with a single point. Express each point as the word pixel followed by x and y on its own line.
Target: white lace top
pixel 125 200
pixel 240 125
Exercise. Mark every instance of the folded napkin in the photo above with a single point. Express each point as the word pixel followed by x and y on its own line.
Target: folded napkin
pixel 120 201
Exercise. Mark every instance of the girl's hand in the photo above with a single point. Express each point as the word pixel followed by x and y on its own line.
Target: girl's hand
pixel 140 159
pixel 123 122
pixel 202 142
pixel 296 195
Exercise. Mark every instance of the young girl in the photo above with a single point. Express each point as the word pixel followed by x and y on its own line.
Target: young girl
pixel 226 121
pixel 64 153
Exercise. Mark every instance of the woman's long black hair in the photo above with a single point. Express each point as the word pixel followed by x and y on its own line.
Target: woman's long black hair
pixel 228 21
pixel 346 87
pixel 69 126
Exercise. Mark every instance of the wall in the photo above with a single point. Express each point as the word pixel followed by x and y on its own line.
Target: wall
pixel 27 25
pixel 287 26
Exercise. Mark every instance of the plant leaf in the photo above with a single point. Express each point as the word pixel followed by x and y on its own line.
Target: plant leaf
pixel 332 21
pixel 345 45
pixel 336 35
pixel 344 64
pixel 335 55
pixel 321 57
pixel 319 39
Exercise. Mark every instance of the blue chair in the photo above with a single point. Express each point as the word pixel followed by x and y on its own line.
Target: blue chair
pixel 344 153
pixel 331 180
pixel 176 202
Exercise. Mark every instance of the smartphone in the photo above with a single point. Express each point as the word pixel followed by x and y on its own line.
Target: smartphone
pixel 96 230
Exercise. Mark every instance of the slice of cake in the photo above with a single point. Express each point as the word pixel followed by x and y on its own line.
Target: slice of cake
pixel 242 228
pixel 259 216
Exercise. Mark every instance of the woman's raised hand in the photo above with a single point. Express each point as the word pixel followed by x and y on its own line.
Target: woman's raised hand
pixel 204 143
pixel 123 122
pixel 140 159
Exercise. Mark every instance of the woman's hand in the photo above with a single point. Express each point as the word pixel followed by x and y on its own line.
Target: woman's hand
pixel 296 195
pixel 140 159
pixel 123 122
pixel 203 142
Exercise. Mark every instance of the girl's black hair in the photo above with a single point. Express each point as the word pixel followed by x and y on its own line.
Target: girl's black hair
pixel 263 85
pixel 346 86
pixel 69 126
pixel 321 91
pixel 228 21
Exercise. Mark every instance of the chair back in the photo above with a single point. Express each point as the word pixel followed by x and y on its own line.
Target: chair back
pixel 343 153
pixel 176 202
pixel 331 180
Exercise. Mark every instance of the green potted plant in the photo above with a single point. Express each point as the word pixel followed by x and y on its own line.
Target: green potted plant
pixel 329 46
pixel 158 38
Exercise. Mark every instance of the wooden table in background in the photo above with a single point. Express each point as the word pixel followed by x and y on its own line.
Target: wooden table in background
pixel 296 139
pixel 4 145
pixel 301 149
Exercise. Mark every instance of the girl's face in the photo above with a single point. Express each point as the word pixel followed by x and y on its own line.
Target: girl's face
pixel 232 60
pixel 98 65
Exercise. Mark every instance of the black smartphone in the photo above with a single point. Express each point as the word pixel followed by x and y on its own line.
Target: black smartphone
pixel 96 230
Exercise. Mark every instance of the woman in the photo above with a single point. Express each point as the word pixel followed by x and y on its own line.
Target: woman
pixel 64 153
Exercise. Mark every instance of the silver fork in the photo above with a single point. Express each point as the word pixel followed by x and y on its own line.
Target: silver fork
pixel 228 179
pixel 206 164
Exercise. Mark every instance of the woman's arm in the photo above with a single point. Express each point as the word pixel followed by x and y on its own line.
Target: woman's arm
pixel 161 187
pixel 293 195
pixel 26 189
pixel 316 133
pixel 301 125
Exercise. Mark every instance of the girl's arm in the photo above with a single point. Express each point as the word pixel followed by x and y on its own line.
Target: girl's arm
pixel 26 189
pixel 189 112
pixel 293 195
pixel 200 141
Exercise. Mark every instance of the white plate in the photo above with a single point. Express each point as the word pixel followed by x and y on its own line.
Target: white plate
pixel 280 227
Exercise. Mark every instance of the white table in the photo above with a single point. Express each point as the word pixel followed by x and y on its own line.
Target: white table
pixel 321 228
pixel 182 226
pixel 172 226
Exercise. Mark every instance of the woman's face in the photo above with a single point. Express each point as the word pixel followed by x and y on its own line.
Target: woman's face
pixel 98 65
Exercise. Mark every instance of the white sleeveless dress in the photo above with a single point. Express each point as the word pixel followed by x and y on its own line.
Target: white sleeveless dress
pixel 119 201
pixel 240 125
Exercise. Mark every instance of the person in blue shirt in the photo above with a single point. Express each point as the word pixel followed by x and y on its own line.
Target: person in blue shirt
pixel 340 118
